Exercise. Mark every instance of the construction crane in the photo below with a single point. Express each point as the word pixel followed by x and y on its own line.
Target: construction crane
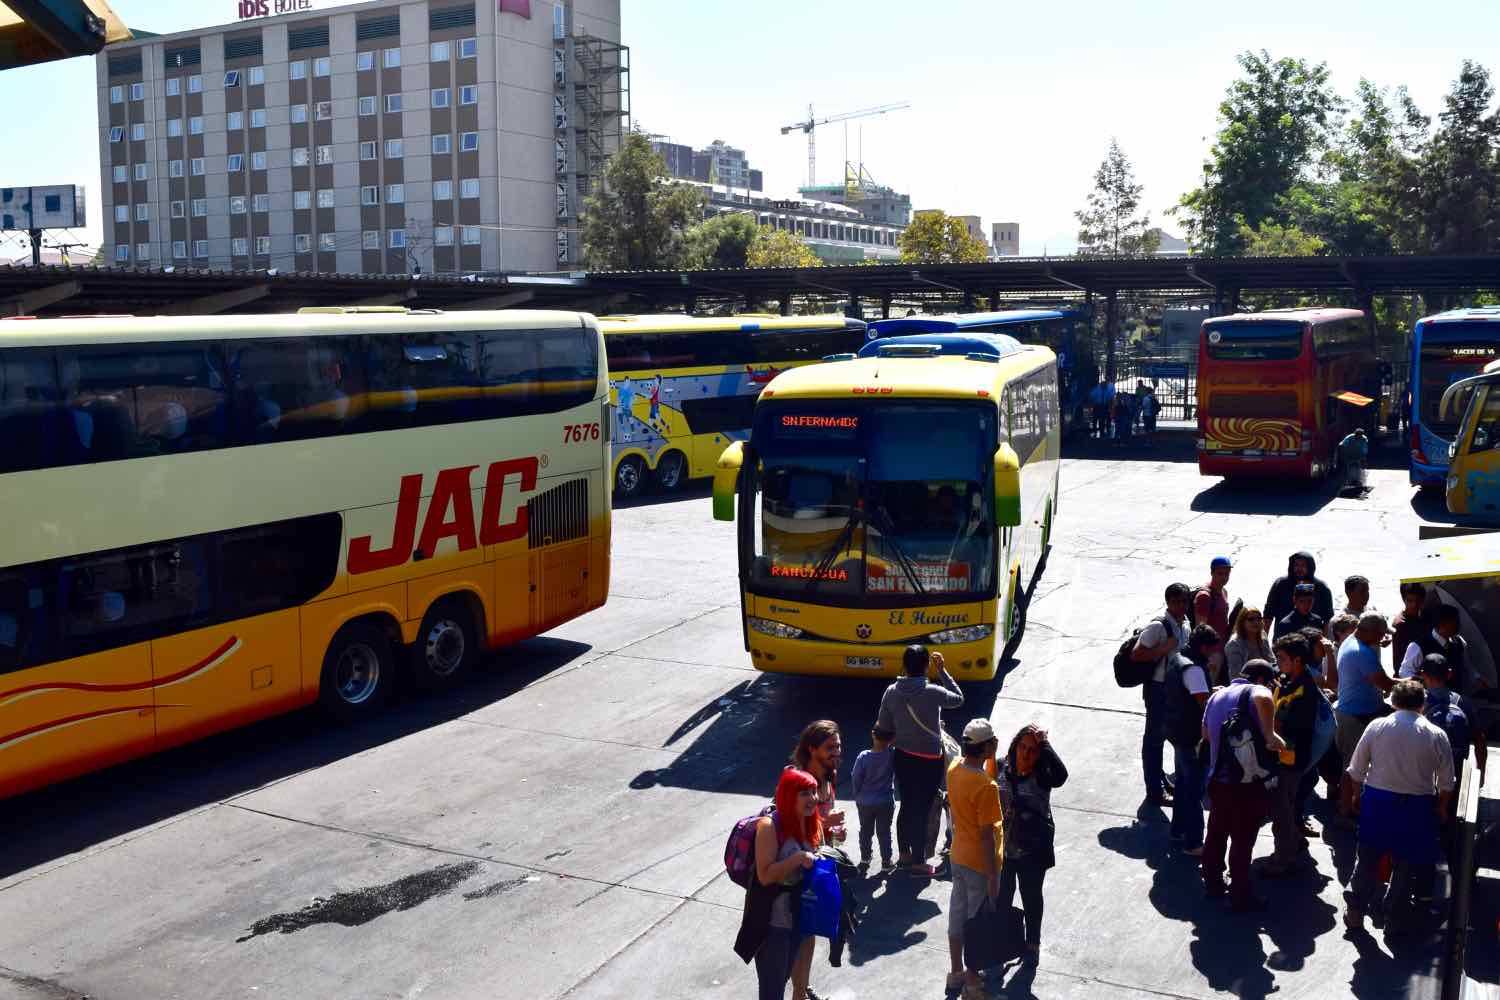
pixel 810 126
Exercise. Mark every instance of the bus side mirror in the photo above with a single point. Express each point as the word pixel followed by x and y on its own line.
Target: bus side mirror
pixel 1007 487
pixel 726 476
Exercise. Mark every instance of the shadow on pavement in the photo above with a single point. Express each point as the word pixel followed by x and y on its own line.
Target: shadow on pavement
pixel 1299 499
pixel 693 489
pixel 1168 446
pixel 53 822
pixel 888 921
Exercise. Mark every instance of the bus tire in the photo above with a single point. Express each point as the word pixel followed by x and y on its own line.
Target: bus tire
pixel 630 477
pixel 671 472
pixel 1015 619
pixel 359 671
pixel 446 645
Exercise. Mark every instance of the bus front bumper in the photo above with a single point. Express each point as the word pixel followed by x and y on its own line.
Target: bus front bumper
pixel 966 661
pixel 1268 465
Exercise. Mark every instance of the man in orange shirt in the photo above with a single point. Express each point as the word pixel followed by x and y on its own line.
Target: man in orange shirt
pixel 974 805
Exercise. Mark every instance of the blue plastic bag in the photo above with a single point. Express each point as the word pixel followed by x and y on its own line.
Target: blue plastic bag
pixel 820 900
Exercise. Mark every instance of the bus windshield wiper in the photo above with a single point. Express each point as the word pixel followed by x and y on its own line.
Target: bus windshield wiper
pixel 839 544
pixel 888 536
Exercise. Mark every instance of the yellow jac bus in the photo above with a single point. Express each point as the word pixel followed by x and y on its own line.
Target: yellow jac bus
pixel 1473 486
pixel 902 496
pixel 214 519
pixel 685 386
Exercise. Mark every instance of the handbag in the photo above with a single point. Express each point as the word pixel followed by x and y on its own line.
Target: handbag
pixel 820 900
pixel 993 936
pixel 951 750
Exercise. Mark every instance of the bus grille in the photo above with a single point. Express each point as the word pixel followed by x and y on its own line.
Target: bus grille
pixel 560 514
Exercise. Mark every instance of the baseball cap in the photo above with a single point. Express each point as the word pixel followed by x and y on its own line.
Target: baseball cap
pixel 1304 588
pixel 978 731
pixel 1218 561
pixel 1259 671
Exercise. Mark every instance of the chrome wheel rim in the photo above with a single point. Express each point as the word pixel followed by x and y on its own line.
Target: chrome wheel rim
pixel 357 674
pixel 445 647
pixel 627 477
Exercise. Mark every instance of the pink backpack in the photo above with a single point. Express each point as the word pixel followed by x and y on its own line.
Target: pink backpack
pixel 739 851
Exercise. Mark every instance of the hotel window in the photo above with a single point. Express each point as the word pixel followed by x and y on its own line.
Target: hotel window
pixel 367 150
pixel 442 190
pixel 321 66
pixel 117 96
pixel 237 205
pixel 179 249
pixel 143 252
pixel 174 128
pixel 142 171
pixel 235 121
pixel 301 199
pixel 325 197
pixel 122 213
pixel 262 244
pixel 393 102
pixel 398 238
pixel 195 84
pixel 200 207
pixel 369 195
pixel 297 70
pixel 137 91
pixel 303 242
pixel 298 114
pixel 441 144
pixel 468 142
pixel 200 248
pixel 117 133
pixel 257 75
pixel 174 168
pixel 236 162
pixel 392 58
pixel 322 111
pixel 367 105
pixel 393 149
pixel 239 246
pixel 440 97
pixel 325 154
pixel 468 94
pixel 470 235
pixel 442 236
pixel 261 203
pixel 195 126
pixel 232 79
pixel 299 157
pixel 395 194
pixel 468 48
pixel 257 117
pixel 122 251
pixel 365 60
pixel 326 241
pixel 468 187
pixel 440 51
pixel 258 160
pixel 142 211
pixel 137 132
pixel 370 239
pixel 174 86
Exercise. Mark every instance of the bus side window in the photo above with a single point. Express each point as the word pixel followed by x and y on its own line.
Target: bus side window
pixel 1487 429
pixel 131 595
pixel 422 379
pixel 30 418
pixel 26 630
pixel 274 566
pixel 143 400
pixel 290 389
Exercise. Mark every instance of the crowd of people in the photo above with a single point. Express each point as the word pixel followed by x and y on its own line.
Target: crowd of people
pixel 1116 415
pixel 1258 704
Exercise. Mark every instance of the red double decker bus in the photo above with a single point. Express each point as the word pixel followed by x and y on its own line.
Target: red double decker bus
pixel 1278 390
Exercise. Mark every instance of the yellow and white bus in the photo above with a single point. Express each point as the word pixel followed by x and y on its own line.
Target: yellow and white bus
pixel 685 386
pixel 904 496
pixel 210 520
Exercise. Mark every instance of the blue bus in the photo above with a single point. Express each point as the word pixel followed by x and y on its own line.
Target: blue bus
pixel 1444 348
pixel 1063 330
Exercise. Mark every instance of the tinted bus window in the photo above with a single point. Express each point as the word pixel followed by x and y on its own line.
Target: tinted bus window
pixel 130 595
pixel 1344 337
pixel 1253 404
pixel 286 388
pixel 136 401
pixel 417 380
pixel 1254 341
pixel 274 566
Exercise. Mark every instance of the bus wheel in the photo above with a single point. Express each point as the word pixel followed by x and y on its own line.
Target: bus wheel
pixel 630 476
pixel 1015 621
pixel 445 647
pixel 671 472
pixel 358 671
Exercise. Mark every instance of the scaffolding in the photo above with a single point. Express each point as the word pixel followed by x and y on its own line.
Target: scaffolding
pixel 591 112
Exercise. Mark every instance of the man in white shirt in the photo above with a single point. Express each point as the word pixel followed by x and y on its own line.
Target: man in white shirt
pixel 1155 644
pixel 1403 766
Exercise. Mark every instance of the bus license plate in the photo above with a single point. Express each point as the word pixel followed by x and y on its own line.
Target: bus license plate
pixel 863 662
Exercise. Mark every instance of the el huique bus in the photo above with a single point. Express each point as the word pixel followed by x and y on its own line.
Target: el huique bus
pixel 685 386
pixel 211 520
pixel 903 496
pixel 1061 330
pixel 1278 390
pixel 1444 349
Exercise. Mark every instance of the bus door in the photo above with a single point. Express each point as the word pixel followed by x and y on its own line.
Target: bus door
pixel 1474 471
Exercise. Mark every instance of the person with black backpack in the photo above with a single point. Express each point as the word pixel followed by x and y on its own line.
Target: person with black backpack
pixel 1242 750
pixel 1187 692
pixel 1167 634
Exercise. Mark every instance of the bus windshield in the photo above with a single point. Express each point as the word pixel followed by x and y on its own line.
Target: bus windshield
pixel 875 500
pixel 1441 364
pixel 1257 341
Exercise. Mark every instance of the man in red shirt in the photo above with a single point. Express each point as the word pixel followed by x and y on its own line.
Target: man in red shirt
pixel 1211 601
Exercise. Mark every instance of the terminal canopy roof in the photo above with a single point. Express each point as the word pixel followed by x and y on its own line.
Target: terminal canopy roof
pixel 38 31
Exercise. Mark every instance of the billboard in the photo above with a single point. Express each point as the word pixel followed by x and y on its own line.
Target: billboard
pixel 56 206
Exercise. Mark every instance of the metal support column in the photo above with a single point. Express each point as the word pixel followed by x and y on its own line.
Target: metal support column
pixel 786 303
pixel 968 300
pixel 854 310
pixel 1111 333
pixel 885 305
pixel 1234 300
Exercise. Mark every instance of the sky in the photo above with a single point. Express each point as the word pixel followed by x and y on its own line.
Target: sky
pixel 1012 105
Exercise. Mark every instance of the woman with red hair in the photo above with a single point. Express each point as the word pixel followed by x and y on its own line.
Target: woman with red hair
pixel 784 842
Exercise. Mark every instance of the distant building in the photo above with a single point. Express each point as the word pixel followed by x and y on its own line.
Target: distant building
pixel 836 233
pixel 971 222
pixel 1006 239
pixel 1169 245
pixel 874 202
pixel 716 163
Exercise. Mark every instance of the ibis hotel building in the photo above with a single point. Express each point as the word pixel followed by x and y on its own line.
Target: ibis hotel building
pixel 400 136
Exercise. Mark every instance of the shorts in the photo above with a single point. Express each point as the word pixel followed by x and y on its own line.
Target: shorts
pixel 1346 736
pixel 970 889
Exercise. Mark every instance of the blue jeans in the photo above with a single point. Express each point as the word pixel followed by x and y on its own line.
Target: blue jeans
pixel 1155 695
pixel 1187 798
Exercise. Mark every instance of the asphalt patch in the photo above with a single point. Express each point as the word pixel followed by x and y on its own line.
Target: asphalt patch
pixel 360 906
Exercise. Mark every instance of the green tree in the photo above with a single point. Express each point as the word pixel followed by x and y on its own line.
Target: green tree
pixel 722 241
pixel 1274 123
pixel 1271 240
pixel 1109 226
pixel 1460 169
pixel 638 219
pixel 779 248
pixel 939 238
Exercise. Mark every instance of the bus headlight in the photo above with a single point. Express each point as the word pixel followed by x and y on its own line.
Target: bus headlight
pixel 776 629
pixel 969 633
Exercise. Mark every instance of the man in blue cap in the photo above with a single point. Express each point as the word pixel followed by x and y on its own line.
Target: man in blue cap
pixel 1211 601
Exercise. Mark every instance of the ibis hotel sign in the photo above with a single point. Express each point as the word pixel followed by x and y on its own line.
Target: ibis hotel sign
pixel 268 8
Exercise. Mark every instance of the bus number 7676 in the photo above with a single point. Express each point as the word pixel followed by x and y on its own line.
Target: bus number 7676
pixel 580 432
